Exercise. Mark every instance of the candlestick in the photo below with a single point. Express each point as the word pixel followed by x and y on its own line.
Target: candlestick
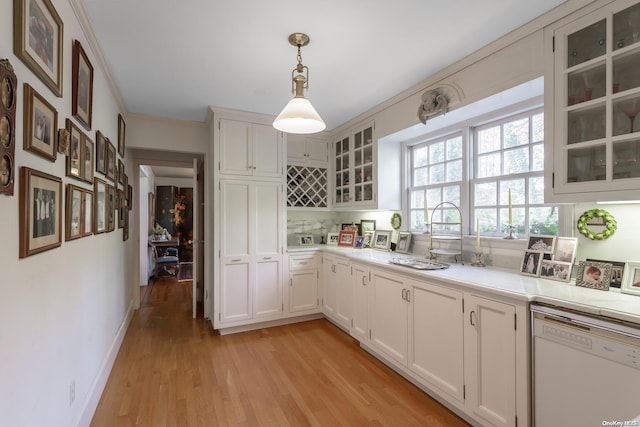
pixel 477 235
pixel 510 211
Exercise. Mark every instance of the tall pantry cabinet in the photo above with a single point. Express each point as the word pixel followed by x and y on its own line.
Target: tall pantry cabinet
pixel 250 226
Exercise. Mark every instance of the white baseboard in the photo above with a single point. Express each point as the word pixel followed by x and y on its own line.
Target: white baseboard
pixel 269 324
pixel 95 392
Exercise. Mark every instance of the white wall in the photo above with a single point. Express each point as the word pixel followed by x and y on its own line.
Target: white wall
pixel 146 186
pixel 61 311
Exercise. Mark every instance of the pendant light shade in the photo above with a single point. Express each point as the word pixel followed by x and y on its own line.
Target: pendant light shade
pixel 299 116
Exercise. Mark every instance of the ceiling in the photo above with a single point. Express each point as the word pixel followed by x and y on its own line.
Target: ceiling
pixel 174 59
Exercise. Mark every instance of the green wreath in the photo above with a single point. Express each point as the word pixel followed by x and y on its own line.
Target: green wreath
pixel 610 224
pixel 396 221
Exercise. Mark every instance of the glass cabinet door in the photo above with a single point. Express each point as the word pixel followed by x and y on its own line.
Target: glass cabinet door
pixel 363 165
pixel 598 65
pixel 341 151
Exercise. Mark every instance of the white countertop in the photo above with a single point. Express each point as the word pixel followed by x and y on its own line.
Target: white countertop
pixel 506 283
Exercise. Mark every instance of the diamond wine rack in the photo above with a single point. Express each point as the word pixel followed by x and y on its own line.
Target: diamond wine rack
pixel 306 187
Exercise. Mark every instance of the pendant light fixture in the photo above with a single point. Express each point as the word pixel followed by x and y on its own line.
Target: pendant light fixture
pixel 299 116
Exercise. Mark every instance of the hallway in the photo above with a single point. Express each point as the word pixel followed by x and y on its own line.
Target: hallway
pixel 173 370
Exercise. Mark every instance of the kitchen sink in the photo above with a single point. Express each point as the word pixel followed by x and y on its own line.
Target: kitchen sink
pixel 419 264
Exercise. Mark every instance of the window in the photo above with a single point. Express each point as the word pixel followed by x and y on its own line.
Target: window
pixel 507 158
pixel 436 175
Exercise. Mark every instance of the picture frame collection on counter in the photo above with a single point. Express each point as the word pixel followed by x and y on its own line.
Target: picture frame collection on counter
pixel 92 205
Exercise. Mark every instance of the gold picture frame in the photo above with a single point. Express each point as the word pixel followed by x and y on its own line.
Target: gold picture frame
pixel 38 40
pixel 40 125
pixel 82 86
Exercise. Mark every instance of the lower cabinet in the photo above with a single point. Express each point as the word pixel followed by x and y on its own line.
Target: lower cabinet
pixel 359 302
pixel 337 290
pixel 490 359
pixel 303 283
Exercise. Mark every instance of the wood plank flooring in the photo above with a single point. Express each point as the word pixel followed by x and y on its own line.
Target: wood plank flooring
pixel 173 370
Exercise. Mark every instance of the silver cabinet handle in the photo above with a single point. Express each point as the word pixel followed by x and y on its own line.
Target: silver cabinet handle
pixel 408 295
pixel 363 284
pixel 266 257
pixel 472 316
pixel 236 260
pixel 404 294
pixel 302 262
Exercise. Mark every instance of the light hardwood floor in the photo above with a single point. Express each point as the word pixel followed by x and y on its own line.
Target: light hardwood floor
pixel 173 370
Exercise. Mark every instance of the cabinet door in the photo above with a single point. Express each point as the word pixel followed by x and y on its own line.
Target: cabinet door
pixel 343 292
pixel 388 315
pixel 436 338
pixel 235 291
pixel 489 358
pixel 316 150
pixel 342 172
pixel 267 151
pixel 330 297
pixel 363 167
pixel 267 288
pixel 359 303
pixel 296 149
pixel 235 148
pixel 303 290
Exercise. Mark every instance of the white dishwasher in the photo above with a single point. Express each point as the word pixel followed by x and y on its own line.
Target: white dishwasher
pixel 586 370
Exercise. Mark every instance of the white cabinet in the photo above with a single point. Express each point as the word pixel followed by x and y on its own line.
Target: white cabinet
pixel 592 105
pixel 436 352
pixel 365 172
pixel 302 150
pixel 303 283
pixel 359 302
pixel 337 290
pixel 490 360
pixel 250 149
pixel 250 250
pixel 388 310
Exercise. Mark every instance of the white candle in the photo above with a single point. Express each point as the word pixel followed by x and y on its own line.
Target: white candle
pixel 426 212
pixel 477 236
pixel 510 213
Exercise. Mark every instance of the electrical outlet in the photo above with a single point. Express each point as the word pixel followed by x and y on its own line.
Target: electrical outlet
pixel 72 392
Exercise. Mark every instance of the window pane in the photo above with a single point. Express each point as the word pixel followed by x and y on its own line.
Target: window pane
pixel 417 220
pixel 417 199
pixel 489 139
pixel 536 190
pixel 543 220
pixel 436 152
pixel 516 133
pixel 518 219
pixel 454 171
pixel 516 161
pixel 452 194
pixel 538 158
pixel 420 177
pixel 517 192
pixel 486 194
pixel 488 220
pixel 420 156
pixel 436 174
pixel 454 148
pixel 489 165
pixel 434 197
pixel 537 131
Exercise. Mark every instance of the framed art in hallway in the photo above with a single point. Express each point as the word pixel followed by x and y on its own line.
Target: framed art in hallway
pixel 73 160
pixel 101 153
pixel 74 220
pixel 110 161
pixel 81 86
pixel 88 154
pixel 121 134
pixel 88 213
pixel 99 206
pixel 40 125
pixel 40 212
pixel 38 40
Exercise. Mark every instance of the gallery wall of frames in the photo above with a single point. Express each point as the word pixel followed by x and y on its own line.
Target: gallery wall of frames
pixel 95 196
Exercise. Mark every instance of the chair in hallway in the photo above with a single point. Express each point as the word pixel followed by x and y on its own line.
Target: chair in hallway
pixel 168 264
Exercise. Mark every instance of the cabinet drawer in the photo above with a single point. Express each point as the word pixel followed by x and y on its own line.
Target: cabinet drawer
pixel 299 262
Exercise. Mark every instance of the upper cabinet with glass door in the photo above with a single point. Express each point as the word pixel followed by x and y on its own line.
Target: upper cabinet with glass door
pixel 592 101
pixel 354 169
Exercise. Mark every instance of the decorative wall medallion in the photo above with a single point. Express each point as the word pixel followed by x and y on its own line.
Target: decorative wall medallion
pixel 8 100
pixel 433 104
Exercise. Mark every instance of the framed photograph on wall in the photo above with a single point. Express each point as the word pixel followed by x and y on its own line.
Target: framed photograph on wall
pixel 129 196
pixel 346 238
pixel 81 86
pixel 531 263
pixel 73 160
pixel 594 275
pixel 382 240
pixel 404 240
pixel 121 134
pixel 74 219
pixel 40 212
pixel 101 153
pixel 88 213
pixel 100 206
pixel 40 125
pixel 121 174
pixel 38 40
pixel 111 208
pixel 631 278
pixel 88 159
pixel 110 161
